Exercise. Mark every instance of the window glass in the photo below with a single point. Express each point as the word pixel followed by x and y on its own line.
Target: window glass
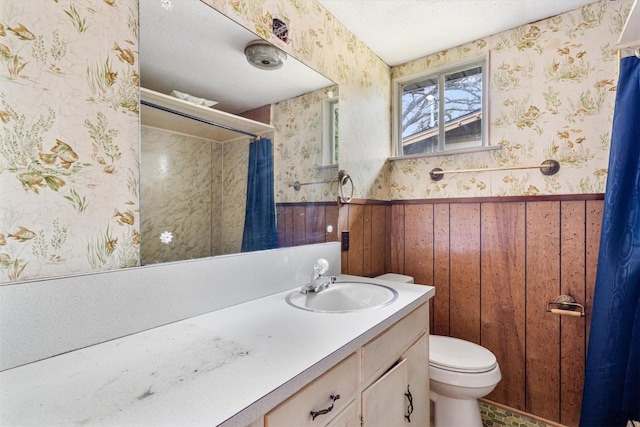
pixel 420 117
pixel 456 95
pixel 463 109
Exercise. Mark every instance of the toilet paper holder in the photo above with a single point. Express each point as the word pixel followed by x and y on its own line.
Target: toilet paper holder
pixel 566 305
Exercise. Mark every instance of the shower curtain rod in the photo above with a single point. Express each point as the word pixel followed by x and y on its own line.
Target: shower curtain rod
pixel 198 119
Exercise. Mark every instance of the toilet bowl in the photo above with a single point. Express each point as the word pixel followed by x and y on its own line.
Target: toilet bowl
pixel 460 372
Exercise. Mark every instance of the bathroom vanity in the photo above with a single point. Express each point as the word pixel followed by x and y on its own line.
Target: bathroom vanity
pixel 259 362
pixel 385 382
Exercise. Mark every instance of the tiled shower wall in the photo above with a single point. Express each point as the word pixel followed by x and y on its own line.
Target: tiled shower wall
pixel 178 179
pixel 195 189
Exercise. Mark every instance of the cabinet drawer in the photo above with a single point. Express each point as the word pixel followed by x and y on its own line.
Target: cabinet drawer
pixel 341 380
pixel 379 353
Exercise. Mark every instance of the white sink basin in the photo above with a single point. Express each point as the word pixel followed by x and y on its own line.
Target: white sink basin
pixel 344 297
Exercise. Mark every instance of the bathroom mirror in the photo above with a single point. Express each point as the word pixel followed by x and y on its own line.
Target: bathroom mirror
pixel 193 49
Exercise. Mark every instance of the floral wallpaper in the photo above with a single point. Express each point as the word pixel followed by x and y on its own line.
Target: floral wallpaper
pixel 68 137
pixel 69 157
pixel 69 160
pixel 298 145
pixel 552 92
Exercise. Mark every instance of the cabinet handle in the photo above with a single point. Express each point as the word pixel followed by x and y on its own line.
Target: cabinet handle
pixel 333 398
pixel 410 407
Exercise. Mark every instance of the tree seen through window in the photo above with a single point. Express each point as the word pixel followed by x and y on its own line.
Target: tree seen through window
pixel 457 97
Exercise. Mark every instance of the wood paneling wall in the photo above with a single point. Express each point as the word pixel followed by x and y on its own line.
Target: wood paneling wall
pixel 495 263
pixel 306 223
pixel 368 224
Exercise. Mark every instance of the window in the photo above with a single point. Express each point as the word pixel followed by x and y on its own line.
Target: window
pixel 330 132
pixel 442 111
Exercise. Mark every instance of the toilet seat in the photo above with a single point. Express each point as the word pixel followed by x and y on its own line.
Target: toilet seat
pixel 456 355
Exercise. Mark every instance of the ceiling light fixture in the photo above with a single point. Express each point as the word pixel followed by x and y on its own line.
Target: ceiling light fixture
pixel 262 55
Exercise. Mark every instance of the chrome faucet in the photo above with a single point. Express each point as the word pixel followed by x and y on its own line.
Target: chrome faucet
pixel 318 282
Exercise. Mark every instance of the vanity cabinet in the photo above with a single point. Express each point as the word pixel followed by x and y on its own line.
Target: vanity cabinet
pixel 382 383
pixel 397 362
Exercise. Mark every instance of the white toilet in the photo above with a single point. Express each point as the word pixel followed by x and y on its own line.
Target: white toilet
pixel 460 372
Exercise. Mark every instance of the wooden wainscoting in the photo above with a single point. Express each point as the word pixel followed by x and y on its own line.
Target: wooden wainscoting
pixel 306 223
pixel 369 225
pixel 495 264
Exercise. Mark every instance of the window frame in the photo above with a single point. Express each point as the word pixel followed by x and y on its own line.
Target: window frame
pixel 439 73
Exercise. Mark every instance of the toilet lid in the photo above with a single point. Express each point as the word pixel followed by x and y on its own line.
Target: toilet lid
pixel 458 355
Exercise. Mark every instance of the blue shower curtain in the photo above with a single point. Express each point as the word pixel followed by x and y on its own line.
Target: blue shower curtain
pixel 612 379
pixel 260 230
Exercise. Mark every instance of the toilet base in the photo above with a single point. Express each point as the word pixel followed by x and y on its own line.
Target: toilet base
pixel 450 412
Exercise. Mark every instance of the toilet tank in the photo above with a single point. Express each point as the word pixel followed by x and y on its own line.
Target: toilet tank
pixel 393 277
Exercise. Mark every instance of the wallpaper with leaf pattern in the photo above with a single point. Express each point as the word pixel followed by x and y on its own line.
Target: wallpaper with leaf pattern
pixel 68 137
pixel 552 92
pixel 69 120
pixel 299 124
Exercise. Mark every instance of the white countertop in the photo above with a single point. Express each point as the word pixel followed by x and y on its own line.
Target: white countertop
pixel 224 367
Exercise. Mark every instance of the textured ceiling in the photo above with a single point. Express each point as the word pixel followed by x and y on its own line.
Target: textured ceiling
pixel 399 31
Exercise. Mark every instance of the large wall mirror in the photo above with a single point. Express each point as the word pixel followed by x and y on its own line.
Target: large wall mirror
pixel 193 184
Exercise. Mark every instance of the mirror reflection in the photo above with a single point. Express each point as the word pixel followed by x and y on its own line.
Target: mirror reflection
pixel 193 175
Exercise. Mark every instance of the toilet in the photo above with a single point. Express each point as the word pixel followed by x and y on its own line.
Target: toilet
pixel 460 372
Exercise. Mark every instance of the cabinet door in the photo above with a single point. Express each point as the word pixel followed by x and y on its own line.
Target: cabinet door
pixel 384 403
pixel 417 358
